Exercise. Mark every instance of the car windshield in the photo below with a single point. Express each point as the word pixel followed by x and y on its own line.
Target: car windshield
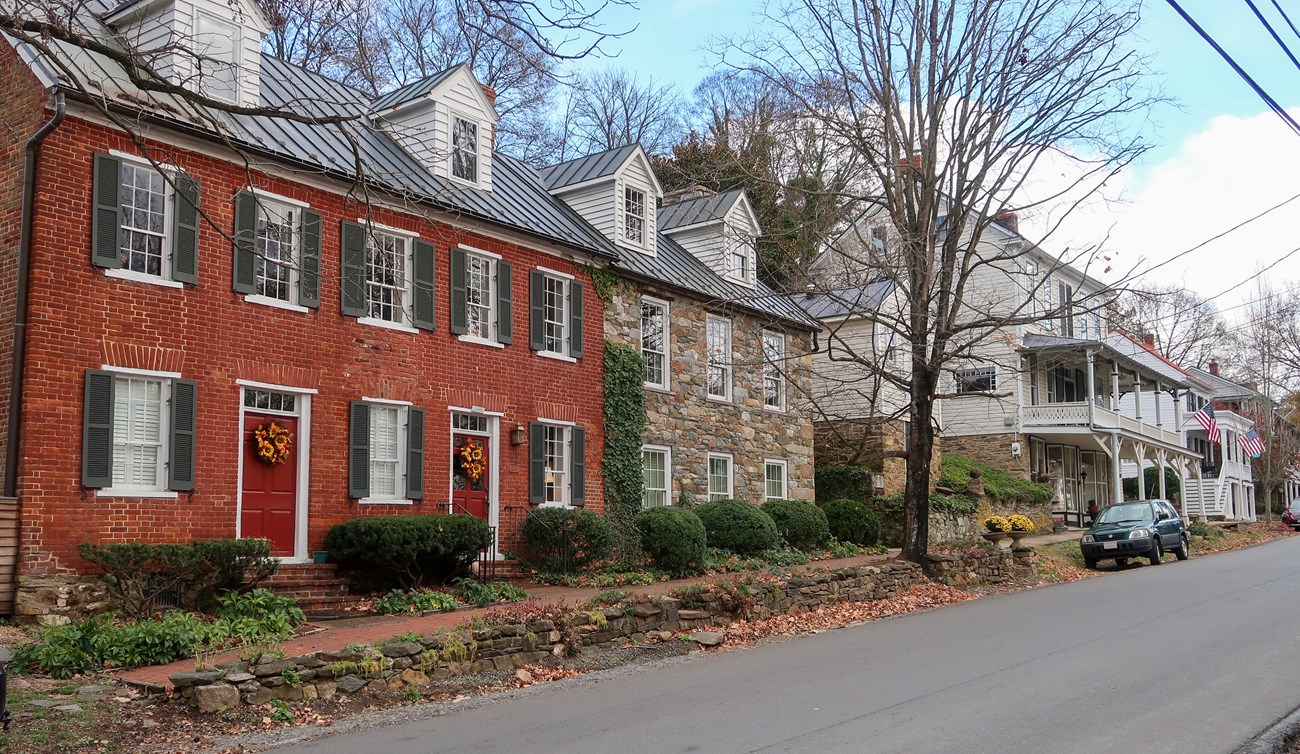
pixel 1117 514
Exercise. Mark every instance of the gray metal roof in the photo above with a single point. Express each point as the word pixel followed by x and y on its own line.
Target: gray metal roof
pixel 1221 388
pixel 1139 352
pixel 696 211
pixel 1170 378
pixel 589 168
pixel 414 89
pixel 847 302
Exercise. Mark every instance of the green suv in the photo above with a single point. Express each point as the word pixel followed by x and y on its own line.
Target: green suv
pixel 1136 529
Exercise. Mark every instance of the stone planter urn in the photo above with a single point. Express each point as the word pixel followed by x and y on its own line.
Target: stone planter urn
pixel 1000 538
pixel 1016 536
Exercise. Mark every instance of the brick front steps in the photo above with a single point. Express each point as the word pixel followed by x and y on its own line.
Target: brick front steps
pixel 319 589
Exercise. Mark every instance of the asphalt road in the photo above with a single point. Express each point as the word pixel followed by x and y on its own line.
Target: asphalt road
pixel 1194 656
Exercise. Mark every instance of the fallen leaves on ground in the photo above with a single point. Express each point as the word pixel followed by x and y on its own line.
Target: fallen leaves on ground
pixel 921 597
pixel 544 674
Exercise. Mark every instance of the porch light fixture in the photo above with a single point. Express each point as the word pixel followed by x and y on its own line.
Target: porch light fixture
pixel 518 435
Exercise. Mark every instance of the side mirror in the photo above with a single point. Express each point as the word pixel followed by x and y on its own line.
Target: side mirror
pixel 1161 516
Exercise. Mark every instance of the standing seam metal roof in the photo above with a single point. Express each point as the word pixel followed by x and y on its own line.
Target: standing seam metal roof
pixel 413 89
pixel 695 211
pixel 589 168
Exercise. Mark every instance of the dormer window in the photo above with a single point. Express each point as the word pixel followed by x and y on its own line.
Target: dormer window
pixel 216 47
pixel 464 149
pixel 634 207
pixel 738 265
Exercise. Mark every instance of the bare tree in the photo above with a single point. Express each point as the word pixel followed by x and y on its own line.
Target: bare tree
pixel 967 98
pixel 1263 344
pixel 1187 327
pixel 613 107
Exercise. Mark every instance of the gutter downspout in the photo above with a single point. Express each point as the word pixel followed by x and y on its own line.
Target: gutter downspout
pixel 30 154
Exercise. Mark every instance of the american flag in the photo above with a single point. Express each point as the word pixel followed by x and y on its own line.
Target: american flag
pixel 1206 417
pixel 1252 443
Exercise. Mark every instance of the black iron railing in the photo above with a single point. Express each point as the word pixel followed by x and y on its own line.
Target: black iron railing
pixel 521 515
pixel 487 557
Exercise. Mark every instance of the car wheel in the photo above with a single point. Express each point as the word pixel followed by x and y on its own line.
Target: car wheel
pixel 1182 553
pixel 1090 564
pixel 1154 555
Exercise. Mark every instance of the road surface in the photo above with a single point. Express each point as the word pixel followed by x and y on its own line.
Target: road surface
pixel 1195 656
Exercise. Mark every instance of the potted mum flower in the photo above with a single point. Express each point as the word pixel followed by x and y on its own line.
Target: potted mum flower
pixel 1021 526
pixel 998 528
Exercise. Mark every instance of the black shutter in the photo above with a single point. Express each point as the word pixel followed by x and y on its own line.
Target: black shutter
pixel 352 275
pixel 423 272
pixel 359 450
pixel 578 466
pixel 97 430
pixel 415 453
pixel 185 241
pixel 106 228
pixel 505 305
pixel 536 463
pixel 245 243
pixel 184 418
pixel 536 310
pixel 459 318
pixel 309 265
pixel 575 319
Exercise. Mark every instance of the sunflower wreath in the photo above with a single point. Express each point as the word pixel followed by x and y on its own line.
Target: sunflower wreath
pixel 471 460
pixel 272 443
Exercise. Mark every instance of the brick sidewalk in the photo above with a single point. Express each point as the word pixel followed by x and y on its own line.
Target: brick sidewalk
pixel 373 629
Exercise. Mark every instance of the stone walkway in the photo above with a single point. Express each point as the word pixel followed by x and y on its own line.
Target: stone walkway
pixel 336 634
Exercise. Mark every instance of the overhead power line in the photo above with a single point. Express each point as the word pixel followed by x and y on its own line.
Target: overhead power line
pixel 1273 33
pixel 1286 18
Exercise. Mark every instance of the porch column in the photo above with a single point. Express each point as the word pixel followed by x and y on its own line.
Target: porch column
pixel 1137 396
pixel 1092 386
pixel 1200 490
pixel 1161 456
pixel 1159 420
pixel 1178 412
pixel 1114 386
pixel 1140 453
pixel 1116 474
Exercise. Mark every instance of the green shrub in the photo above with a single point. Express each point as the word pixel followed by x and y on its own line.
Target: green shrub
pixel 833 482
pixel 572 536
pixel 954 472
pixel 415 601
pixel 852 521
pixel 136 574
pixel 674 538
pixel 1173 485
pixel 257 614
pixel 802 525
pixel 410 550
pixel 737 526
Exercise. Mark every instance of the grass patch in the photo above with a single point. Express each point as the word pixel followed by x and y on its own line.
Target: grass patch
pixel 1001 486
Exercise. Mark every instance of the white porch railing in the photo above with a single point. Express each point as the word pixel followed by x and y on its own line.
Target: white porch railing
pixel 1201 498
pixel 1051 414
pixel 1076 414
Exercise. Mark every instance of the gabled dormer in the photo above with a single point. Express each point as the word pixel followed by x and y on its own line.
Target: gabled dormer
pixel 447 122
pixel 616 191
pixel 210 46
pixel 718 229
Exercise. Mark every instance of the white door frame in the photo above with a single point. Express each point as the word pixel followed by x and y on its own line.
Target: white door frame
pixel 302 406
pixel 493 436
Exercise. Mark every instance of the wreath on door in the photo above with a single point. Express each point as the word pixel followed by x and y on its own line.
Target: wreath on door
pixel 272 443
pixel 471 460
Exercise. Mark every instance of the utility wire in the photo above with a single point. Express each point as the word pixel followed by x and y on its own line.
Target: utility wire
pixel 1286 18
pixel 1273 33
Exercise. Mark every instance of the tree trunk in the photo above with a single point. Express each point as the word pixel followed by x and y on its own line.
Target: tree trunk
pixel 916 501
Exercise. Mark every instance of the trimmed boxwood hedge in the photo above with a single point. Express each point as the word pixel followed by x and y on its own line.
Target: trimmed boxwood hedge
pixel 738 526
pixel 802 525
pixel 590 537
pixel 852 521
pixel 410 550
pixel 674 538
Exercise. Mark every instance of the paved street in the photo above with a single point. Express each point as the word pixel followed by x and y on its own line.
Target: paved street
pixel 1196 656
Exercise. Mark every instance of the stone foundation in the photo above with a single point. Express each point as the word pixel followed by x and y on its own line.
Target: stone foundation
pixel 59 599
pixel 399 665
pixel 992 450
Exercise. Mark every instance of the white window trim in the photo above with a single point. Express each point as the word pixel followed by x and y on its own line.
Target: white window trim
pixel 557 356
pixel 668 473
pixel 277 388
pixel 133 372
pixel 557 422
pixel 237 50
pixel 667 384
pixel 144 161
pixel 475 410
pixel 275 303
pixel 277 198
pixel 403 417
pixel 568 426
pixel 480 252
pixel 476 340
pixel 143 277
pixel 783 383
pixel 452 115
pixel 567 280
pixel 647 227
pixel 554 273
pixel 385 401
pixel 977 372
pixel 731 475
pixel 164 425
pixel 785 478
pixel 729 363
pixel 372 225
pixel 164 276
pixel 385 324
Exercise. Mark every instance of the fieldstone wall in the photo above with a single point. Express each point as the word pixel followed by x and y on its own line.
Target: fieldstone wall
pixel 686 420
pixel 992 450
pixel 58 599
pixel 401 664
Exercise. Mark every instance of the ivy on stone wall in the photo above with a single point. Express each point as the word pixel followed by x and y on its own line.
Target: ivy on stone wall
pixel 625 423
pixel 834 482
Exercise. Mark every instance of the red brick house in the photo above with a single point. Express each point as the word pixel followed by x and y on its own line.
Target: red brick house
pixel 206 274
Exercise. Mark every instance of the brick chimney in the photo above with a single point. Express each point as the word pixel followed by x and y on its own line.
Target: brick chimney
pixel 1008 220
pixel 1149 339
pixel 1214 367
pixel 687 194
pixel 491 95
pixel 905 164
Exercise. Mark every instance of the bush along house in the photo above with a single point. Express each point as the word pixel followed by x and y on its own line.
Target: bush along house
pixel 726 359
pixel 245 326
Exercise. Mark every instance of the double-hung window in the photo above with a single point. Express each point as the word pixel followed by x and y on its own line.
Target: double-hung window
pixel 464 149
pixel 981 380
pixel 773 370
pixel 654 342
pixel 738 265
pixel 481 297
pixel 656 469
pixel 278 239
pixel 387 276
pixel 774 479
pixel 216 50
pixel 720 479
pixel 634 216
pixel 145 224
pixel 138 434
pixel 555 314
pixel 277 251
pixel 718 342
pixel 388 283
pixel 385 451
pixel 557 462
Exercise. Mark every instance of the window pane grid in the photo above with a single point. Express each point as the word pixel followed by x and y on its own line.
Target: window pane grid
pixel 269 401
pixel 654 342
pixel 555 451
pixel 275 252
pixel 144 217
pixel 555 315
pixel 479 300
pixel 977 381
pixel 386 277
pixel 775 481
pixel 469 423
pixel 137 433
pixel 719 477
pixel 773 381
pixel 385 449
pixel 654 468
pixel 719 371
pixel 634 215
pixel 464 150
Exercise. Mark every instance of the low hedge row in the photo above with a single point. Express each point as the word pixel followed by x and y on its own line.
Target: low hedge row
pixel 410 551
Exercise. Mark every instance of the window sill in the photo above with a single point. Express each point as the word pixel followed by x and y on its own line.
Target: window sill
pixel 275 303
pixel 140 277
pixel 384 501
pixel 555 505
pixel 153 494
pixel 774 409
pixel 717 399
pixel 557 356
pixel 385 324
pixel 658 388
pixel 481 341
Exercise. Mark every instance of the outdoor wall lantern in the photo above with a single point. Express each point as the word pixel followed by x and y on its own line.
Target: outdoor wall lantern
pixel 518 435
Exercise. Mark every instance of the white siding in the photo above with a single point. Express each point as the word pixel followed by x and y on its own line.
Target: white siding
pixel 707 244
pixel 635 174
pixel 596 205
pixel 424 129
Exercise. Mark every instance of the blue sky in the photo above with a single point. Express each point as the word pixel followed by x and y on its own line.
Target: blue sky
pixel 1220 156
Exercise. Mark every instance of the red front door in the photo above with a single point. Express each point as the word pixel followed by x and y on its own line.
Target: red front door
pixel 470 469
pixel 269 503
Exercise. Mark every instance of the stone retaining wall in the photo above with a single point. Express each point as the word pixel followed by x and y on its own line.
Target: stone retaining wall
pixel 402 664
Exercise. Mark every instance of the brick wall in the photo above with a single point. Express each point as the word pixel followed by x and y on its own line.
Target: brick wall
pixel 83 319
